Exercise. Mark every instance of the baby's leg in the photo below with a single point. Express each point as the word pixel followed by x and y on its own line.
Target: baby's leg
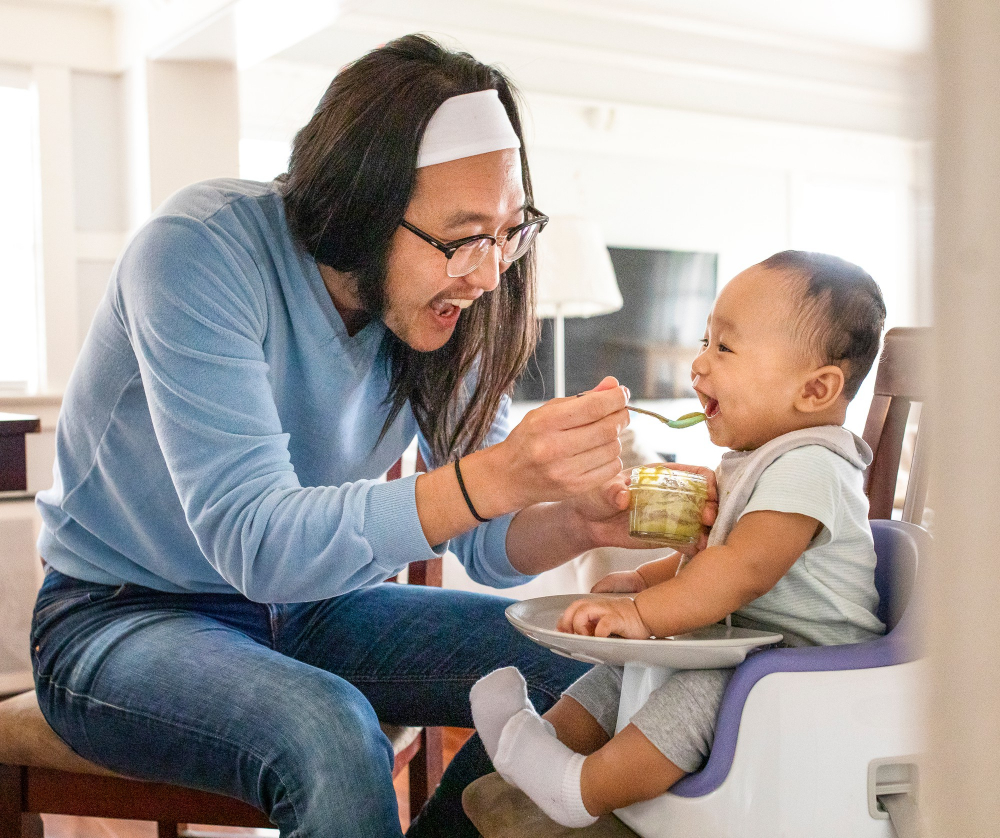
pixel 626 770
pixel 670 736
pixel 575 727
pixel 499 696
pixel 541 754
pixel 573 789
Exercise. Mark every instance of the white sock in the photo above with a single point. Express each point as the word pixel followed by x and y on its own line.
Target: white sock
pixel 530 757
pixel 495 699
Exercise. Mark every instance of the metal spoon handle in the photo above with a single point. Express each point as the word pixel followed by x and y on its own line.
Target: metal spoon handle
pixel 663 419
pixel 685 421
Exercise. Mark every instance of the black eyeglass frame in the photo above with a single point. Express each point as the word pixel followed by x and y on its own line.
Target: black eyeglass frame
pixel 450 248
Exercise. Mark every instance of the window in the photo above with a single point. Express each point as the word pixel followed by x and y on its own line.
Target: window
pixel 19 336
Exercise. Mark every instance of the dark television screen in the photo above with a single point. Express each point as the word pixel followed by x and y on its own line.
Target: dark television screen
pixel 649 343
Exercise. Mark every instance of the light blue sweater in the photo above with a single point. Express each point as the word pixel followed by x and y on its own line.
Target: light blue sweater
pixel 219 431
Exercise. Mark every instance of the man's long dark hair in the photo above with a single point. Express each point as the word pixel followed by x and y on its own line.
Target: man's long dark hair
pixel 350 179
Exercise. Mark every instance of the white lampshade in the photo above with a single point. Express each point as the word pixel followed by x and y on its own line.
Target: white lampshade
pixel 575 279
pixel 575 274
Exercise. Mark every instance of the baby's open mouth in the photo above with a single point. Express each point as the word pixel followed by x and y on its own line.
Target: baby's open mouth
pixel 711 408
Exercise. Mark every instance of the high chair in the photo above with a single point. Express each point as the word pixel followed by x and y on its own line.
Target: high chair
pixel 39 774
pixel 806 736
pixel 814 742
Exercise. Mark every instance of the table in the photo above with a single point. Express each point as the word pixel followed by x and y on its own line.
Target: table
pixel 14 427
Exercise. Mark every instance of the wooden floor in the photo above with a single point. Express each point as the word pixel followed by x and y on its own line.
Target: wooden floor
pixel 454 738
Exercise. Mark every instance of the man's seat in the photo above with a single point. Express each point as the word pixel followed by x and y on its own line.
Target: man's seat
pixel 40 774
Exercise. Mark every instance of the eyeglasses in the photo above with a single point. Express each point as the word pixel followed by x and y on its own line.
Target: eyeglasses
pixel 465 255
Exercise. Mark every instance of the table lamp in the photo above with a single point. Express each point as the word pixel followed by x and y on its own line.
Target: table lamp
pixel 575 279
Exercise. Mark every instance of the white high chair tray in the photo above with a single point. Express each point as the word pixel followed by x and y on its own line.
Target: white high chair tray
pixel 712 647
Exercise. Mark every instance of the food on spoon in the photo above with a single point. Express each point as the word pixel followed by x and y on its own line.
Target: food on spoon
pixel 687 420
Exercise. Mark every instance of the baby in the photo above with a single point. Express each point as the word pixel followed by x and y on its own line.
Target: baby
pixel 787 346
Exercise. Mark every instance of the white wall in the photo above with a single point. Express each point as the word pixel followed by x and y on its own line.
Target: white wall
pixel 662 179
pixel 193 114
pixel 742 188
pixel 113 137
pixel 99 174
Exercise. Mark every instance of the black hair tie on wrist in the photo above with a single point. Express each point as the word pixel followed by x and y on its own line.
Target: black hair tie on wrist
pixel 465 494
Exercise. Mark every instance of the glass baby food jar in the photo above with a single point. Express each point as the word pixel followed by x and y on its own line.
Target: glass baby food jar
pixel 665 505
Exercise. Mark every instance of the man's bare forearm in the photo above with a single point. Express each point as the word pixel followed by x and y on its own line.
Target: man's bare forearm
pixel 544 536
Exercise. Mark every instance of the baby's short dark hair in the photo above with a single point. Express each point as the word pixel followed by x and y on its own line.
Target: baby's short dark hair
pixel 842 312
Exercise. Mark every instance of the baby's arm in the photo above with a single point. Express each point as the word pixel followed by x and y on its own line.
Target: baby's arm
pixel 761 549
pixel 644 576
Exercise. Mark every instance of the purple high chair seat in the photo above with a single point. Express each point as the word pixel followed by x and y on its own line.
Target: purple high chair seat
pixel 898 547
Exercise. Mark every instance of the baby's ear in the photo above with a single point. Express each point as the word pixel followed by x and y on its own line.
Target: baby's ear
pixel 821 390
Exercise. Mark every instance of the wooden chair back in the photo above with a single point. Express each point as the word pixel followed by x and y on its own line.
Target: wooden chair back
pixel 900 382
pixel 426 765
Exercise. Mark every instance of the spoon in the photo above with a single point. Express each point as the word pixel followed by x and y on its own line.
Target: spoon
pixel 686 421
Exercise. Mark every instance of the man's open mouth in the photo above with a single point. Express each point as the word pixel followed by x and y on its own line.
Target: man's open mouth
pixel 446 308
pixel 711 408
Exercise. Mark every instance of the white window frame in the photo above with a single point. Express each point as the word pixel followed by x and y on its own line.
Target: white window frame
pixel 20 79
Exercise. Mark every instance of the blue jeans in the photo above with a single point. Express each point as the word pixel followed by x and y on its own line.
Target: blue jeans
pixel 278 705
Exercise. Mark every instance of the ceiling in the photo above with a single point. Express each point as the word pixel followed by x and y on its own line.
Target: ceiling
pixel 888 24
pixel 900 25
pixel 845 63
pixel 854 64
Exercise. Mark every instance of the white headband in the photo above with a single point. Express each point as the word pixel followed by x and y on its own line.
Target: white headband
pixel 466 125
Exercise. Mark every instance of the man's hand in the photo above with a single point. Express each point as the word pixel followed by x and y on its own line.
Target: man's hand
pixel 603 512
pixel 604 617
pixel 561 449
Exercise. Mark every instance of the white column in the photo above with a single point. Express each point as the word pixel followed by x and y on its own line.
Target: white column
pixel 57 288
pixel 559 353
pixel 963 592
pixel 194 124
pixel 136 120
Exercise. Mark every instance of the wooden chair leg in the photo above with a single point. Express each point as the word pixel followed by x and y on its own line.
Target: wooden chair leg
pixel 426 768
pixel 31 826
pixel 10 801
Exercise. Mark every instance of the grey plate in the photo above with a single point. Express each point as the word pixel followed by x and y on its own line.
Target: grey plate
pixel 712 647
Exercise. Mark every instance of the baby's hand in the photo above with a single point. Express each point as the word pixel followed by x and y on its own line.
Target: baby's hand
pixel 711 507
pixel 604 617
pixel 620 582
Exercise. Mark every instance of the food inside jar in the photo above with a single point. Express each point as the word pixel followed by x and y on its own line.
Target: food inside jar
pixel 665 505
